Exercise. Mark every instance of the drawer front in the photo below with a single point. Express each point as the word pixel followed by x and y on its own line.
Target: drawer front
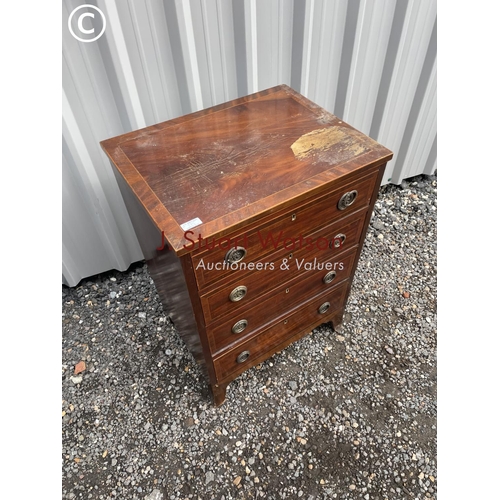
pixel 248 322
pixel 208 261
pixel 258 348
pixel 217 303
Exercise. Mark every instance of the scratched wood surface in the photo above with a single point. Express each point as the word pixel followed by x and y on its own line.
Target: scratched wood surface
pixel 233 163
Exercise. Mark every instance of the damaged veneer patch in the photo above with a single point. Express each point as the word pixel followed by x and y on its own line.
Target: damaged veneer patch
pixel 330 144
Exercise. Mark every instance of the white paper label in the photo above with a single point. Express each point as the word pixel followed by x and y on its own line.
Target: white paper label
pixel 190 224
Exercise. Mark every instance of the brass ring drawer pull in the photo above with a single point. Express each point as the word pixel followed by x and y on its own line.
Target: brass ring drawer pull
pixel 324 307
pixel 239 326
pixel 238 293
pixel 242 357
pixel 329 277
pixel 234 255
pixel 338 240
pixel 347 200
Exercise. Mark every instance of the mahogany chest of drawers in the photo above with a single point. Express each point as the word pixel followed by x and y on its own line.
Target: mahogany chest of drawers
pixel 251 216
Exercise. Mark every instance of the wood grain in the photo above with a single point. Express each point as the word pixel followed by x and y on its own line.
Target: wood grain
pixel 235 162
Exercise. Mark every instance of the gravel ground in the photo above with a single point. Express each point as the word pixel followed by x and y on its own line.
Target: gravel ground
pixel 350 416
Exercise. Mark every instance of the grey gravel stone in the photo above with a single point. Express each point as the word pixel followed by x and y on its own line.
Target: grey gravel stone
pixel 154 495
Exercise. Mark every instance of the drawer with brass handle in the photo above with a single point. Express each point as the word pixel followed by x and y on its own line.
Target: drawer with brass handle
pixel 281 266
pixel 300 320
pixel 214 263
pixel 277 301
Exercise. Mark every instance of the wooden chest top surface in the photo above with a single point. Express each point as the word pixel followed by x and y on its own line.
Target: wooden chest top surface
pixel 231 164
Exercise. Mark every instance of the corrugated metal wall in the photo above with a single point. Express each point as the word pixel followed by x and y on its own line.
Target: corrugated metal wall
pixel 370 62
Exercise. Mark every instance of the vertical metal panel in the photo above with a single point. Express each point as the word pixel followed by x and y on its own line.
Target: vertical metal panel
pixel 425 131
pixel 124 57
pixel 250 13
pixel 371 62
pixel 370 48
pixel 416 35
pixel 274 37
pixel 324 31
pixel 347 55
pixel 216 53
